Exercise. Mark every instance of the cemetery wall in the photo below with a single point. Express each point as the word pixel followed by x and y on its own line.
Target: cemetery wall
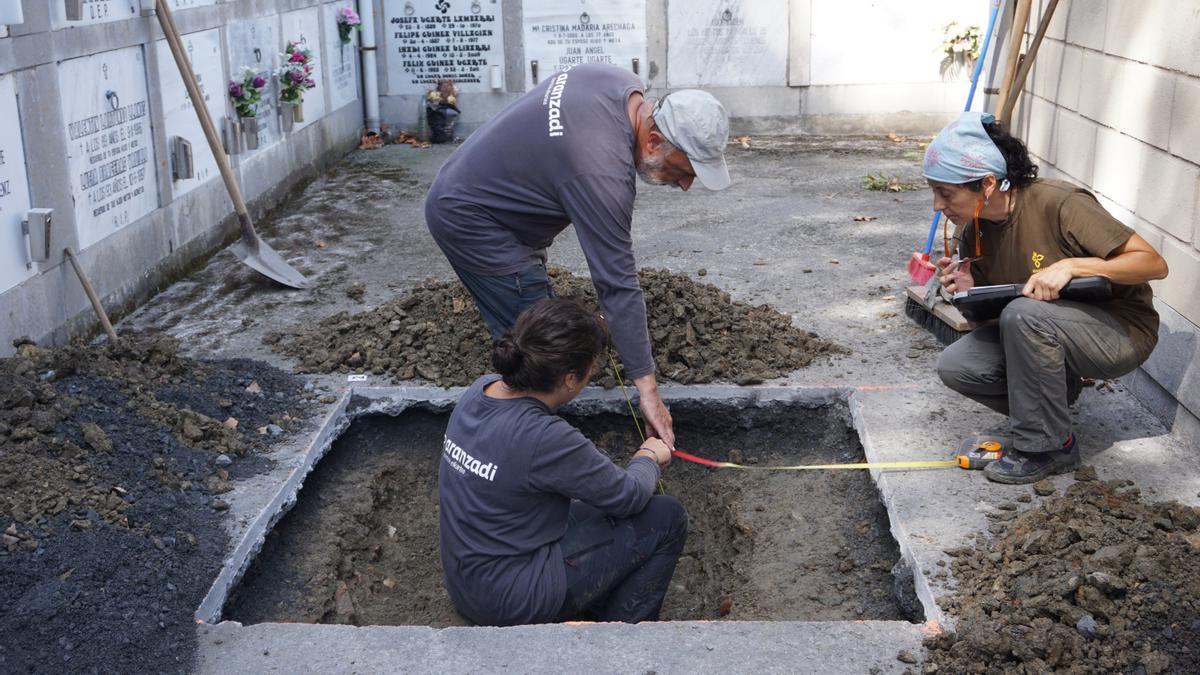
pixel 92 114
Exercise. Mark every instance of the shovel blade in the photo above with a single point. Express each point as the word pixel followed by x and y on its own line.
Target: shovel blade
pixel 262 258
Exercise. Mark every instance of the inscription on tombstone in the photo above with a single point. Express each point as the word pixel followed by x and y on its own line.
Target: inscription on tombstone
pixel 430 40
pixel 92 12
pixel 727 43
pixel 341 64
pixel 559 35
pixel 109 150
pixel 14 190
pixel 254 44
pixel 187 4
pixel 204 53
pixel 305 25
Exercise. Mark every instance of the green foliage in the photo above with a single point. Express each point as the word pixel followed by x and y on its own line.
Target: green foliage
pixel 882 182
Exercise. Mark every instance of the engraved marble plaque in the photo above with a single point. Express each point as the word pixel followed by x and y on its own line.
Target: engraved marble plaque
pixel 727 43
pixel 110 155
pixel 562 34
pixel 430 40
pixel 93 12
pixel 255 44
pixel 305 25
pixel 14 190
pixel 341 63
pixel 204 53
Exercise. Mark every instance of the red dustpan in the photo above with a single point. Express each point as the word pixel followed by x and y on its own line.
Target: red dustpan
pixel 918 272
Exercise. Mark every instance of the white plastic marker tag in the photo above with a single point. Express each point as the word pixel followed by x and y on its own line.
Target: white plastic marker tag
pixel 357 377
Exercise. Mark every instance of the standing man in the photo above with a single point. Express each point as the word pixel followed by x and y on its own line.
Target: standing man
pixel 567 152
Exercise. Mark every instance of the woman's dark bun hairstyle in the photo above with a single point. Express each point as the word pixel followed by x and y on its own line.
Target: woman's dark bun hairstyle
pixel 1021 170
pixel 554 337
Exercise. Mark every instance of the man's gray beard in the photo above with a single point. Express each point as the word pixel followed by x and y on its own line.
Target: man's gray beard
pixel 652 164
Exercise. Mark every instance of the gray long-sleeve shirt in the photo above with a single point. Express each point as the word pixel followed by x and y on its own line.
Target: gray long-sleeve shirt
pixel 509 470
pixel 561 154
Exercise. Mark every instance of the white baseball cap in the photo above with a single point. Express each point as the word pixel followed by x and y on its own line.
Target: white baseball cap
pixel 695 122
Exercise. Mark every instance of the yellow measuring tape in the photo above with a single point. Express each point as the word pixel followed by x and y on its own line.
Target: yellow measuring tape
pixel 681 454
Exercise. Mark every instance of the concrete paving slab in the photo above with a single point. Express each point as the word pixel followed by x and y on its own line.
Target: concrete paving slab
pixel 680 647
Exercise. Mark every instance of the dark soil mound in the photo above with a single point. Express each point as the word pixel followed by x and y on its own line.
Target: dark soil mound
pixel 697 333
pixel 1093 581
pixel 110 466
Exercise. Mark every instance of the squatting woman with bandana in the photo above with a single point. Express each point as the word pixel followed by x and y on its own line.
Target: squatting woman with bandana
pixel 1017 228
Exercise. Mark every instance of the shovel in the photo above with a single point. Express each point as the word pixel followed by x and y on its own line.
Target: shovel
pixel 250 249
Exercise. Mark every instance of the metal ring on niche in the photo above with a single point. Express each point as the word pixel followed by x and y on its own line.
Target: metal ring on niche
pixel 257 55
pixel 408 9
pixel 114 101
pixel 475 8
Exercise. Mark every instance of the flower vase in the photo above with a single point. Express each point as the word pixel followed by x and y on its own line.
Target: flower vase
pixel 298 112
pixel 233 137
pixel 250 132
pixel 442 119
pixel 287 116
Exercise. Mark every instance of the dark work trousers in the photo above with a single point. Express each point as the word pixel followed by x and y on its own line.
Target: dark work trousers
pixel 501 298
pixel 618 569
pixel 1019 365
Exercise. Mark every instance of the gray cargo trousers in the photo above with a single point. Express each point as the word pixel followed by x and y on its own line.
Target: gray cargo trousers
pixel 1020 365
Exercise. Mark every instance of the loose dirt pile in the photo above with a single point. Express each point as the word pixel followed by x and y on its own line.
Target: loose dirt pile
pixel 697 333
pixel 111 463
pixel 1093 581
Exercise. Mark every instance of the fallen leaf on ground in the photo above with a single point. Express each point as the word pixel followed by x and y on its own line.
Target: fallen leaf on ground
pixel 253 387
pixel 864 219
pixel 230 423
pixel 834 261
pixel 370 141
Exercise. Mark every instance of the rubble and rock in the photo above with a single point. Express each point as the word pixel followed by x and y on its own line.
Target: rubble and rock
pixel 1092 580
pixel 698 334
pixel 109 457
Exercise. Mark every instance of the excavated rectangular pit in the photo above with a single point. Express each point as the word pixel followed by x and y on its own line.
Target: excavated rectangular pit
pixel 361 544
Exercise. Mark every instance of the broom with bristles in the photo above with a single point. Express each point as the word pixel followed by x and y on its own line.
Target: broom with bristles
pixel 920 305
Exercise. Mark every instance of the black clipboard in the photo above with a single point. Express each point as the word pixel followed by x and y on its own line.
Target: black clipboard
pixel 984 303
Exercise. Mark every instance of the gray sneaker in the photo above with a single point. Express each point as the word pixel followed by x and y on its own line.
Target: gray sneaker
pixel 1019 468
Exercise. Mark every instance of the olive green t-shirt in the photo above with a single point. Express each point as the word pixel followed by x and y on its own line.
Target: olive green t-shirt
pixel 1053 220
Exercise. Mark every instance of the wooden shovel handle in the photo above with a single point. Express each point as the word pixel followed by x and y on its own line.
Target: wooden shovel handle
pixel 210 132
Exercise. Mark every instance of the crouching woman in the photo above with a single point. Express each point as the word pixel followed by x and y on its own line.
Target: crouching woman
pixel 1019 229
pixel 537 525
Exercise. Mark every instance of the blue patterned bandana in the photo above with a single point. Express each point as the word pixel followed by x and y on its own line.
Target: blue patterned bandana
pixel 963 152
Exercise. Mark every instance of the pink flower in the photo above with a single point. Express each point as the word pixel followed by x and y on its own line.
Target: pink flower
pixel 235 90
pixel 297 76
pixel 259 82
pixel 310 84
pixel 297 57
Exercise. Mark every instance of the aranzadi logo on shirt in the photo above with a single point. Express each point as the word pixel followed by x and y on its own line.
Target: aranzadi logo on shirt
pixel 461 461
pixel 1037 259
pixel 553 103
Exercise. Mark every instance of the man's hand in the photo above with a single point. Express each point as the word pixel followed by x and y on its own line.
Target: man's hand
pixel 657 450
pixel 654 412
pixel 1047 284
pixel 955 276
